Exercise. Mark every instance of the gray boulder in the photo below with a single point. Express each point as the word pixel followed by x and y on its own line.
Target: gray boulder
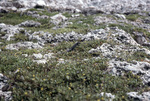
pixel 112 51
pixel 58 18
pixel 117 35
pixel 3 82
pixel 121 16
pixel 19 45
pixel 10 31
pixel 37 56
pixel 108 96
pixel 145 96
pixel 42 61
pixel 40 36
pixel 136 67
pixel 35 14
pixel 30 23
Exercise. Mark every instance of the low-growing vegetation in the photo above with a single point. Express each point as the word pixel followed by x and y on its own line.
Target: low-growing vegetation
pixel 80 80
pixel 80 77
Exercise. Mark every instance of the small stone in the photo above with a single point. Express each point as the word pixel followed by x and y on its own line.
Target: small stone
pixel 38 56
pixel 43 61
pixel 56 19
pixel 61 61
pixel 120 16
pixel 25 55
pixel 75 15
pixel 108 95
pixel 48 56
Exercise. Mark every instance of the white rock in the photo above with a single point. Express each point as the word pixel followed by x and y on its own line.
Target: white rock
pixel 7 95
pixel 43 61
pixel 56 19
pixel 78 5
pixel 75 15
pixel 145 96
pixel 3 82
pixel 111 51
pixel 26 44
pixel 38 56
pixel 136 67
pixel 10 30
pixel 108 95
pixel 25 55
pixel 61 61
pixel 120 16
pixel 48 56
pixel 30 23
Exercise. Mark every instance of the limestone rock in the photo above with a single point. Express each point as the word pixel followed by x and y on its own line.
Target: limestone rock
pixel 100 20
pixel 145 96
pixel 112 51
pixel 56 19
pixel 121 16
pixel 38 56
pixel 48 56
pixel 35 14
pixel 3 83
pixel 30 23
pixel 108 95
pixel 136 67
pixel 42 61
pixel 107 6
pixel 10 30
pixel 26 44
pixel 41 37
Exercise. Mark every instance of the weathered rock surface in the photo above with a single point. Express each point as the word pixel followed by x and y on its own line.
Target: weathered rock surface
pixel 24 45
pixel 116 35
pixel 108 95
pixel 37 56
pixel 10 31
pixel 136 67
pixel 30 23
pixel 56 19
pixel 145 96
pixel 121 6
pixel 35 14
pixel 113 51
pixel 3 82
pixel 42 59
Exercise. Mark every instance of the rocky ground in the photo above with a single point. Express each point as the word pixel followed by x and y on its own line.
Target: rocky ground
pixel 80 54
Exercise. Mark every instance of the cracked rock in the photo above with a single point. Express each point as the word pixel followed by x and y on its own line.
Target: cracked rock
pixel 108 95
pixel 136 67
pixel 10 31
pixel 38 56
pixel 145 96
pixel 56 19
pixel 3 82
pixel 19 45
pixel 111 51
pixel 30 23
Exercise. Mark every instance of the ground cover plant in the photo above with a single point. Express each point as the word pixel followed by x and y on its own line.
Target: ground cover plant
pixel 80 77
